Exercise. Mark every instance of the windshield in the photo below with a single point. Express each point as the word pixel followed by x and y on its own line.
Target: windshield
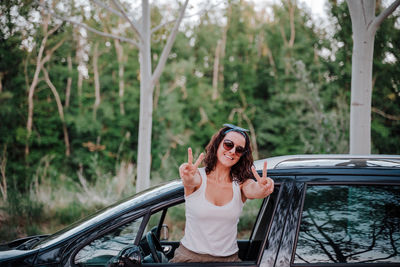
pixel 106 213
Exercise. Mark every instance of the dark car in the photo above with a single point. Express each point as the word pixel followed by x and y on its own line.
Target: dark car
pixel 326 210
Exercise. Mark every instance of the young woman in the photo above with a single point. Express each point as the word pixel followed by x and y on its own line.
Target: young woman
pixel 215 196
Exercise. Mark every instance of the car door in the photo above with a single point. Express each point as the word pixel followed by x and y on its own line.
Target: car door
pixel 343 220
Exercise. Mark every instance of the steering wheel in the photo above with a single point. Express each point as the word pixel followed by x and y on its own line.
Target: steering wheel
pixel 155 246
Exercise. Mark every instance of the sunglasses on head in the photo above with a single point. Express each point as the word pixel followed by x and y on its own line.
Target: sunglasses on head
pixel 228 145
pixel 236 129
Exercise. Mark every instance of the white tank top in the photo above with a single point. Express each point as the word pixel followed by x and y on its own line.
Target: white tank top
pixel 212 229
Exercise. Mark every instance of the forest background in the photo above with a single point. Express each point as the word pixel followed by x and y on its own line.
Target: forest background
pixel 273 70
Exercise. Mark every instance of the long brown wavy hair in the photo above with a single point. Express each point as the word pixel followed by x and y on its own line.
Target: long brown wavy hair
pixel 241 171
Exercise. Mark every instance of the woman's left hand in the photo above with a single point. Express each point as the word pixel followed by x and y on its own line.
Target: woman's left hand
pixel 265 184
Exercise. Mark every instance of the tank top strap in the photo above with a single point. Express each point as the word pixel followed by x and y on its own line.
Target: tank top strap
pixel 237 194
pixel 203 176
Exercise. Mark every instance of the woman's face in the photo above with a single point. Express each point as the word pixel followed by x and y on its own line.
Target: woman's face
pixel 227 157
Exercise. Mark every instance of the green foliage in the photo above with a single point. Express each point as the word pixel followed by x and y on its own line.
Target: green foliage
pixel 248 217
pixel 70 213
pixel 295 95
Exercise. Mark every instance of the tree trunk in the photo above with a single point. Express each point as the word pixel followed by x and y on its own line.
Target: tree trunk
pixel 216 71
pixel 79 59
pixel 223 46
pixel 1 81
pixel 96 80
pixel 60 110
pixel 146 103
pixel 69 82
pixel 79 86
pixel 361 92
pixel 361 76
pixel 291 7
pixel 147 83
pixel 34 83
pixel 3 183
pixel 121 69
pixel 147 78
pixel 364 26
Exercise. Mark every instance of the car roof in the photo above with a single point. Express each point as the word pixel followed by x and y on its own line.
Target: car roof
pixel 329 161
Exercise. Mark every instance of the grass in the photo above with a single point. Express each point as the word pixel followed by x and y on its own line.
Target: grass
pixel 55 200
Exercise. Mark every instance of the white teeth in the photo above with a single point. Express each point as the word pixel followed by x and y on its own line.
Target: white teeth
pixel 228 157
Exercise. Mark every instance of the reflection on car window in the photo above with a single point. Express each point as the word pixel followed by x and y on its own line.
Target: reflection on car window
pixel 350 224
pixel 101 250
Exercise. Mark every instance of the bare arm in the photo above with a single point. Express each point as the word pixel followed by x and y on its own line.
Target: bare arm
pixel 260 189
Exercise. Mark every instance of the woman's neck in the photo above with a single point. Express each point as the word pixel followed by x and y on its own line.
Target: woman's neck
pixel 221 174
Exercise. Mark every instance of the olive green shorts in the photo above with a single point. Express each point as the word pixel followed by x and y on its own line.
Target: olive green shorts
pixel 183 254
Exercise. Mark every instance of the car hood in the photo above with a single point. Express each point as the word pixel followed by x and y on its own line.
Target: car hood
pixel 13 253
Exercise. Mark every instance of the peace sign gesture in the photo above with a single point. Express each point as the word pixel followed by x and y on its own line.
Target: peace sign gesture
pixel 188 171
pixel 265 185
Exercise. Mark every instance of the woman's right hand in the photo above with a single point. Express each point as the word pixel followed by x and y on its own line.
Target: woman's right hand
pixel 189 172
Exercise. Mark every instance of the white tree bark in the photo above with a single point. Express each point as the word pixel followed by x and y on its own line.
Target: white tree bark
pixel 364 25
pixel 69 82
pixel 79 59
pixel 216 71
pixel 146 103
pixel 32 86
pixel 96 78
pixel 147 83
pixel 121 69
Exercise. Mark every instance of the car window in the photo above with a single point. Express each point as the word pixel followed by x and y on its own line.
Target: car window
pixel 173 224
pixel 175 221
pixel 102 249
pixel 349 224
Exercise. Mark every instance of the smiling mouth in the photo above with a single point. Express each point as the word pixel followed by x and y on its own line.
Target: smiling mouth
pixel 228 157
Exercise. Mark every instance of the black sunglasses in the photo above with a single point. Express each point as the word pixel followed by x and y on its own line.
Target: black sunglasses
pixel 228 145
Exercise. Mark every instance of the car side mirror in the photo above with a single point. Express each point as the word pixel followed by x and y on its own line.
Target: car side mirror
pixel 164 234
pixel 128 257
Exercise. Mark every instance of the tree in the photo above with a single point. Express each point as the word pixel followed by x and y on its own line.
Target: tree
pixel 148 77
pixel 364 26
pixel 40 61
